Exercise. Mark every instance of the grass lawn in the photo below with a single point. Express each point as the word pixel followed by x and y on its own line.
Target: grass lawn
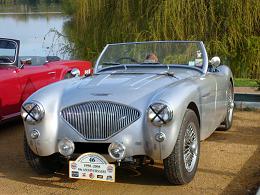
pixel 239 82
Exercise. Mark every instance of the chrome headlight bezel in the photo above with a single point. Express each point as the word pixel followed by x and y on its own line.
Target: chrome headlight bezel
pixel 75 72
pixel 32 112
pixel 160 113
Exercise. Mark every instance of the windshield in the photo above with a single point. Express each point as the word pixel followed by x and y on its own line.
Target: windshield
pixel 152 53
pixel 7 51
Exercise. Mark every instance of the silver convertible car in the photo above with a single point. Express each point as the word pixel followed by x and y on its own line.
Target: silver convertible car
pixel 145 101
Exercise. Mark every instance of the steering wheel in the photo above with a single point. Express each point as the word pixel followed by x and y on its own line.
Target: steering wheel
pixel 5 59
pixel 127 58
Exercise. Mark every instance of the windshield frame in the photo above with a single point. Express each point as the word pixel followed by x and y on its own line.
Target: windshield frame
pixel 204 54
pixel 17 45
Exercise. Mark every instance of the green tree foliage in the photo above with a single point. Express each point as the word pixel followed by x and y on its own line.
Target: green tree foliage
pixel 230 28
pixel 28 2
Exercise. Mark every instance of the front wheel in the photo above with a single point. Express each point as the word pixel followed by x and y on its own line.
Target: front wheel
pixel 227 123
pixel 42 164
pixel 181 165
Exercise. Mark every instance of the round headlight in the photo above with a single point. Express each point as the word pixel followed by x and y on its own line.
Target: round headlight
pixel 75 72
pixel 32 112
pixel 159 114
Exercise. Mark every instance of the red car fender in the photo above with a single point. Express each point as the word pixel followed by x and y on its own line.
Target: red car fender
pixel 22 83
pixel 83 66
pixel 19 80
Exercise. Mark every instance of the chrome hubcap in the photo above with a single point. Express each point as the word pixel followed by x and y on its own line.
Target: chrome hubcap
pixel 190 147
pixel 230 104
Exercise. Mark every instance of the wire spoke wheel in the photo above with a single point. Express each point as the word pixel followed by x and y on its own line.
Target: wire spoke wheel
pixel 181 165
pixel 227 123
pixel 190 147
pixel 230 104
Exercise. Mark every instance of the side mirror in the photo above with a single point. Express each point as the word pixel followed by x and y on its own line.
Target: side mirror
pixel 215 61
pixel 75 72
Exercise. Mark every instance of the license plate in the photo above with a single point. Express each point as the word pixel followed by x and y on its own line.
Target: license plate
pixel 92 166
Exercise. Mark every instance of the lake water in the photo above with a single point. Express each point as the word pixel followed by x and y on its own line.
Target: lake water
pixel 32 26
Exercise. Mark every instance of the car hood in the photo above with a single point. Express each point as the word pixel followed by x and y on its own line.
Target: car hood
pixel 125 85
pixel 122 88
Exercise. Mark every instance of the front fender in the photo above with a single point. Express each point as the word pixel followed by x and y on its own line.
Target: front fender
pixel 178 97
pixel 46 143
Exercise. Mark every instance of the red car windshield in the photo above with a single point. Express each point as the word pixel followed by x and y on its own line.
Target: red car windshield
pixel 7 52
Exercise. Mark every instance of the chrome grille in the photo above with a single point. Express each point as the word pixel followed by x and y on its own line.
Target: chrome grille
pixel 97 120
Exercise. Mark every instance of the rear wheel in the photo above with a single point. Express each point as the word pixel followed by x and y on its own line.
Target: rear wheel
pixel 42 164
pixel 227 123
pixel 180 167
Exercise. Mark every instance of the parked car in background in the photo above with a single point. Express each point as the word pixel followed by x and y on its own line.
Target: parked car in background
pixel 145 101
pixel 21 76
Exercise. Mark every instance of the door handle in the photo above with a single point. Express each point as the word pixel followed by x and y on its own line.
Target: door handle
pixel 51 72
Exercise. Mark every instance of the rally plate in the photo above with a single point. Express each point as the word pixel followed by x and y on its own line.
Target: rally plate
pixel 92 166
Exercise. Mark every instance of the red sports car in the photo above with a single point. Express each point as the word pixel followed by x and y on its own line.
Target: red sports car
pixel 20 78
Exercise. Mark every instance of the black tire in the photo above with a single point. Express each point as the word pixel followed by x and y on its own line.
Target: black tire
pixel 42 164
pixel 227 123
pixel 174 166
